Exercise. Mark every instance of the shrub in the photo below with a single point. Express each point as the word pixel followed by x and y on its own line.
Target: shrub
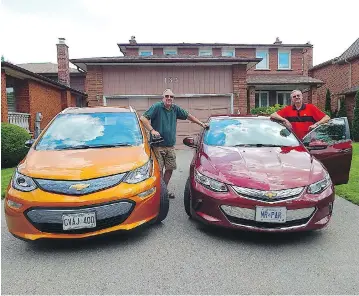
pixel 328 106
pixel 355 126
pixel 343 109
pixel 266 110
pixel 13 148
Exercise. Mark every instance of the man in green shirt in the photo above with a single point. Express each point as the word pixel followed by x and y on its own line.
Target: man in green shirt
pixel 163 116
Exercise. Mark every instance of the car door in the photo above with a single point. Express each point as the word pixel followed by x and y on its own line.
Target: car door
pixel 330 143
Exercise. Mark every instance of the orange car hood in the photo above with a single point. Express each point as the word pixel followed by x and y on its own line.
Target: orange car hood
pixel 82 164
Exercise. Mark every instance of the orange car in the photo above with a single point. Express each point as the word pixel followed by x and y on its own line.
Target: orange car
pixel 91 171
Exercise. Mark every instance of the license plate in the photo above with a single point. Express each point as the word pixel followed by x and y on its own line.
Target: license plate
pixel 271 214
pixel 79 221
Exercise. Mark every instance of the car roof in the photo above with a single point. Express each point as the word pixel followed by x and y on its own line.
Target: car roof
pixel 80 110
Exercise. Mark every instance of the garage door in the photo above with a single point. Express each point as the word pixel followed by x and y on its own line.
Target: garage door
pixel 201 107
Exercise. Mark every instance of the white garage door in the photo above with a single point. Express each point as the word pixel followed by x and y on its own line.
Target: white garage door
pixel 201 107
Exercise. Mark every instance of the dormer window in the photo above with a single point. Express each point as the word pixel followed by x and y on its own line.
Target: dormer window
pixel 145 52
pixel 205 52
pixel 170 51
pixel 228 52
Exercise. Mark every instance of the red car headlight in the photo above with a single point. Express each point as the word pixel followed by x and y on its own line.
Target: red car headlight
pixel 210 183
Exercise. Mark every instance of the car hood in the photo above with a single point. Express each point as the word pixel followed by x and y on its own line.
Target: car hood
pixel 261 168
pixel 82 164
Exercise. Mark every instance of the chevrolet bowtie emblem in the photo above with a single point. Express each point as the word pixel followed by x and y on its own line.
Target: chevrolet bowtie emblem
pixel 79 187
pixel 270 194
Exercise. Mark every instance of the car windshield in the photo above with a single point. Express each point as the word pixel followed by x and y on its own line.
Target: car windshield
pixel 248 132
pixel 91 130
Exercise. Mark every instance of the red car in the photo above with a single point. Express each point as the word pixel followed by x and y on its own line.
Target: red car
pixel 253 173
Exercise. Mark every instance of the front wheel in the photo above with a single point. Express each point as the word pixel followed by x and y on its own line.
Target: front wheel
pixel 187 198
pixel 164 203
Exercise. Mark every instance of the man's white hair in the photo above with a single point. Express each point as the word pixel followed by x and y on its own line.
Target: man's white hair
pixel 296 90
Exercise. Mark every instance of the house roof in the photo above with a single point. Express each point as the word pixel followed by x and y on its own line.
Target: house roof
pixel 351 53
pixel 16 71
pixel 165 60
pixel 44 68
pixel 123 46
pixel 350 90
pixel 281 79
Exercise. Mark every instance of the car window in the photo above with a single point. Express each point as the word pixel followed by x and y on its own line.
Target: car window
pixel 246 131
pixel 91 129
pixel 333 131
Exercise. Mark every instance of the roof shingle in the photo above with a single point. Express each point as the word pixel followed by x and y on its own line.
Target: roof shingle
pixel 44 68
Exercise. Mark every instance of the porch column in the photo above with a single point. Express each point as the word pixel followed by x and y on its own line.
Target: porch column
pixel 252 98
pixel 239 74
pixel 4 109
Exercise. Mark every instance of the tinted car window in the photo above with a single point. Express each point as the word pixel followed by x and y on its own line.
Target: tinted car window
pixel 242 131
pixel 91 129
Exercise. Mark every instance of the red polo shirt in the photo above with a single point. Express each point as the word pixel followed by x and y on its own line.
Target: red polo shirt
pixel 301 119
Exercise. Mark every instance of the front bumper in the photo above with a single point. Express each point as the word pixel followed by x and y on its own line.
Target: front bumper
pixel 117 208
pixel 230 210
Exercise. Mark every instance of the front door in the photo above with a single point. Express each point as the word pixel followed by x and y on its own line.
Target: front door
pixel 330 143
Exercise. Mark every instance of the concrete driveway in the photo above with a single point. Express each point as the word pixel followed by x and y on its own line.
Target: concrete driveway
pixel 182 257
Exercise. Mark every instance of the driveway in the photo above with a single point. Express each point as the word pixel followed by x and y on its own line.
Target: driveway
pixel 182 257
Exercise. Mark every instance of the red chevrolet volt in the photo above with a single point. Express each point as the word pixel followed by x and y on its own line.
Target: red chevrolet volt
pixel 253 173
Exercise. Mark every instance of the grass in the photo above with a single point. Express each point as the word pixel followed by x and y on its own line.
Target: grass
pixel 350 191
pixel 6 175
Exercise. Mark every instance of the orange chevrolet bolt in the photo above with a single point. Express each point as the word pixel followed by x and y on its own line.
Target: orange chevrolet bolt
pixel 91 171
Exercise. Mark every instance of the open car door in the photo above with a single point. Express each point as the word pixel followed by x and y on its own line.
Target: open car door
pixel 330 143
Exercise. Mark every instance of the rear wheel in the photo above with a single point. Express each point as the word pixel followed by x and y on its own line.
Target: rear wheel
pixel 164 203
pixel 187 198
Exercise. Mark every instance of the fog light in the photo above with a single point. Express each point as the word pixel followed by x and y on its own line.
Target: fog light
pixel 13 204
pixel 147 193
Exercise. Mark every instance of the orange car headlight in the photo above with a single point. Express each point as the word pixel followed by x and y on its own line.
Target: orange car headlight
pixel 23 183
pixel 14 204
pixel 140 174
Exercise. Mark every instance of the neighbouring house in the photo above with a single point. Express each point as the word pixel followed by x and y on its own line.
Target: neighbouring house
pixel 207 78
pixel 25 93
pixel 341 77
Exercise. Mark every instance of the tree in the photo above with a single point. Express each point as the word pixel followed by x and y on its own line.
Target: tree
pixel 343 109
pixel 355 126
pixel 2 59
pixel 328 105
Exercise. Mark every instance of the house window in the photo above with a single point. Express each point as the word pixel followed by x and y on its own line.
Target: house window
pixel 226 52
pixel 146 52
pixel 262 99
pixel 170 51
pixel 264 63
pixel 284 57
pixel 11 101
pixel 205 52
pixel 283 98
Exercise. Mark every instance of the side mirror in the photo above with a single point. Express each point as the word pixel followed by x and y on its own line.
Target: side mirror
pixel 317 145
pixel 29 143
pixel 189 141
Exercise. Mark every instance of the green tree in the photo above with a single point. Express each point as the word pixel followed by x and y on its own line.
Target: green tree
pixel 328 105
pixel 2 59
pixel 355 126
pixel 343 109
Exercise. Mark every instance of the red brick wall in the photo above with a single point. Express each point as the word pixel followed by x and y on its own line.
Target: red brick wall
pixel 217 52
pixel 94 85
pixel 307 60
pixel 158 51
pixel 350 104
pixel 73 100
pixel 44 99
pixel 131 52
pixel 355 72
pixel 63 64
pixel 246 52
pixel 4 109
pixel 22 96
pixel 336 79
pixel 187 51
pixel 239 89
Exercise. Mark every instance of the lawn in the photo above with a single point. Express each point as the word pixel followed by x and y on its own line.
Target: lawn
pixel 6 175
pixel 350 191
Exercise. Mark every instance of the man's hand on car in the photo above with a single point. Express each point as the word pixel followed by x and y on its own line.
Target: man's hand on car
pixel 155 133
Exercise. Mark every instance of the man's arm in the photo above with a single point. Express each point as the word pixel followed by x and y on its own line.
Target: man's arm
pixel 275 115
pixel 195 120
pixel 325 119
pixel 149 127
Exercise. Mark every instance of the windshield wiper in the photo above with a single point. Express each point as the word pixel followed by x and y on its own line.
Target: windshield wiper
pixel 95 146
pixel 259 145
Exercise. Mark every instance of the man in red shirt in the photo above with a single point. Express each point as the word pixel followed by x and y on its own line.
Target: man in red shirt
pixel 300 117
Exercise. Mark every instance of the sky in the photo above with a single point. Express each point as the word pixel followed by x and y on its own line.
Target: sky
pixel 93 28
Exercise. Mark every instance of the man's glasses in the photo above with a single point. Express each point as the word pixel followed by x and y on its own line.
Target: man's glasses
pixel 168 96
pixel 296 96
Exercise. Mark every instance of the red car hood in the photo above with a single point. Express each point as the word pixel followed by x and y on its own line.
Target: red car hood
pixel 261 168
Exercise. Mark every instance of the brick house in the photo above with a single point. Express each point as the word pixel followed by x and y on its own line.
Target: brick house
pixel 24 93
pixel 341 77
pixel 206 78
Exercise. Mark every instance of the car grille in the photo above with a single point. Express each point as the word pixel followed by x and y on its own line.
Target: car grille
pixel 268 196
pixel 80 187
pixel 245 216
pixel 107 215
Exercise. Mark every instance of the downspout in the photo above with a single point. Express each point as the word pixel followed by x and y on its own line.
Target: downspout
pixel 350 73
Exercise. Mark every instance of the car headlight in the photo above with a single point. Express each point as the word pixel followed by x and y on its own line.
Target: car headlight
pixel 140 174
pixel 320 186
pixel 210 183
pixel 23 183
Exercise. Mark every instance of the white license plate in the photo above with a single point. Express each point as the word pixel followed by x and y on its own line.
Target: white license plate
pixel 271 214
pixel 79 221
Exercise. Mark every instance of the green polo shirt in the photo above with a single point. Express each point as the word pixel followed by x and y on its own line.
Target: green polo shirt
pixel 165 121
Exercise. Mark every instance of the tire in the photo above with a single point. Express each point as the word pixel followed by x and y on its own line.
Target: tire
pixel 187 198
pixel 164 204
